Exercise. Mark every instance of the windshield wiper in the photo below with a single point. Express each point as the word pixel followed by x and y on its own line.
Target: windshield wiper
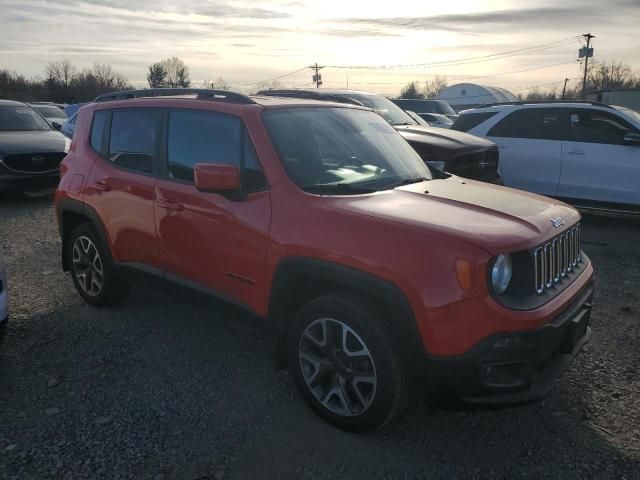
pixel 337 189
pixel 401 124
pixel 406 181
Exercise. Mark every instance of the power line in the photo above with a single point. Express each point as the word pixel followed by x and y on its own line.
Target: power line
pixel 272 79
pixel 462 61
pixel 464 78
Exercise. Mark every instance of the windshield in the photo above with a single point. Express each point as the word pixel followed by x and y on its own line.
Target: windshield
pixel 632 114
pixel 445 108
pixel 342 150
pixel 49 111
pixel 386 108
pixel 21 118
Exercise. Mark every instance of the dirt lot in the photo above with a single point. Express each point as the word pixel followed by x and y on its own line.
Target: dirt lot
pixel 173 385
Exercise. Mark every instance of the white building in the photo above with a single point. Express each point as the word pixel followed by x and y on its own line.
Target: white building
pixel 624 97
pixel 468 95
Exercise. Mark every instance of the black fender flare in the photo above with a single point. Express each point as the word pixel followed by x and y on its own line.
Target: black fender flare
pixel 77 207
pixel 290 269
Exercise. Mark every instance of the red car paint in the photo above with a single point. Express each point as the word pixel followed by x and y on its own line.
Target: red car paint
pixel 410 236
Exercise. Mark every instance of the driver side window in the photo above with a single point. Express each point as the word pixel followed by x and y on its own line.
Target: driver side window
pixel 595 126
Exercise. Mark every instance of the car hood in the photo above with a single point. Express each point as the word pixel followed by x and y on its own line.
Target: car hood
pixel 496 219
pixel 450 142
pixel 31 142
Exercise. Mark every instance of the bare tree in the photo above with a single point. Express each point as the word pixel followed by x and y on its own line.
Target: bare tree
pixel 603 75
pixel 433 87
pixel 61 72
pixel 177 72
pixel 104 75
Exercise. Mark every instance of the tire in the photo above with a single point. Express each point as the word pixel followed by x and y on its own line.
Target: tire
pixel 3 330
pixel 357 380
pixel 92 269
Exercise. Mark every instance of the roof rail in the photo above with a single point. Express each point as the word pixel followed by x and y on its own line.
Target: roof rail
pixel 537 102
pixel 312 95
pixel 202 94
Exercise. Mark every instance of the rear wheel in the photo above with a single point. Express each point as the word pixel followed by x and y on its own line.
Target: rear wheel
pixel 345 364
pixel 93 273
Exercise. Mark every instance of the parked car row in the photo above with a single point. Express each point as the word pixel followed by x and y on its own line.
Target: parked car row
pixel 465 155
pixel 376 273
pixel 30 148
pixel 586 153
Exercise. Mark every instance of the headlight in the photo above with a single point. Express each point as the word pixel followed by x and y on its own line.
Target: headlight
pixel 501 273
pixel 67 145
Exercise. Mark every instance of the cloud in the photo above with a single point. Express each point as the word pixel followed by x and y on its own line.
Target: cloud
pixel 508 19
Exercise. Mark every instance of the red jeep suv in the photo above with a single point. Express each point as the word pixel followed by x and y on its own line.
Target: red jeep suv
pixel 375 276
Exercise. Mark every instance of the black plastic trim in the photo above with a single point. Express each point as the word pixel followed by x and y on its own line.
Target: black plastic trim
pixel 291 268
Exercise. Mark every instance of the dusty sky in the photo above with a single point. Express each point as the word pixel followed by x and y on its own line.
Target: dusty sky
pixel 248 41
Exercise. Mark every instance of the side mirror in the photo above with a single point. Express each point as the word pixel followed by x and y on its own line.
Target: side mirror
pixel 56 125
pixel 631 139
pixel 210 177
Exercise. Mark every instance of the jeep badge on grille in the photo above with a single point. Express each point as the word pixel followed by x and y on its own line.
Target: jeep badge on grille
pixel 557 222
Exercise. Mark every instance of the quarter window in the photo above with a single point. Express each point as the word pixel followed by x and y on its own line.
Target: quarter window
pixel 593 126
pixel 133 139
pixel 532 123
pixel 97 129
pixel 202 137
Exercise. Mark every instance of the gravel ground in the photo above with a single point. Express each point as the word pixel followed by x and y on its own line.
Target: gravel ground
pixel 173 385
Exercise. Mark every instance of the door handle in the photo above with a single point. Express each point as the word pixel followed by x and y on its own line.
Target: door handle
pixel 170 204
pixel 101 185
pixel 576 152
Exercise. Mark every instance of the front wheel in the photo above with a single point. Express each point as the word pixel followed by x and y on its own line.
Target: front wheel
pixel 94 276
pixel 345 364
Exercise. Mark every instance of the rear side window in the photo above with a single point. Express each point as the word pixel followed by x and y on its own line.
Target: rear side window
pixel 531 123
pixel 203 137
pixel 594 126
pixel 133 139
pixel 97 129
pixel 466 122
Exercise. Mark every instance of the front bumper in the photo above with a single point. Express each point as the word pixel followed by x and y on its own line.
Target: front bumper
pixel 26 181
pixel 517 367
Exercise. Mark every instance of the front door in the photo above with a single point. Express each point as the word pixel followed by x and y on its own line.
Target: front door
pixel 596 163
pixel 210 240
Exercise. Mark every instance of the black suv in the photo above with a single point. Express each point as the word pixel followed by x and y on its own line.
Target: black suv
pixel 444 150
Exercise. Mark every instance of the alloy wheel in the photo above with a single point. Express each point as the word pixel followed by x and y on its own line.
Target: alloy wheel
pixel 87 266
pixel 337 367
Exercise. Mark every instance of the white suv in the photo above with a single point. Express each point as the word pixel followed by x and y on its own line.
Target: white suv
pixel 585 152
pixel 4 307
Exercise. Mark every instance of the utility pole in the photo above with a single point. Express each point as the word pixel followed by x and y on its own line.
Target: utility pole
pixel 586 52
pixel 317 78
pixel 564 89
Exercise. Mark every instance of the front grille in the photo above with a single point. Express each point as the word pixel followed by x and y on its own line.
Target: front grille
pixel 33 162
pixel 478 165
pixel 556 259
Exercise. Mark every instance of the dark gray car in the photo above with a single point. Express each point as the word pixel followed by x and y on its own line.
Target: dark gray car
pixel 30 148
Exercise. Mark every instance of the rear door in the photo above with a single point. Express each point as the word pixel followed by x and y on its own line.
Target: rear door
pixel 530 146
pixel 596 164
pixel 121 183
